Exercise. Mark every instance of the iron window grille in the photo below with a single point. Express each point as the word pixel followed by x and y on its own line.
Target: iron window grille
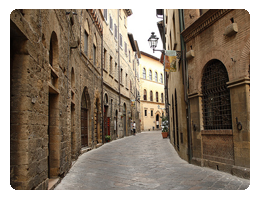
pixel 216 97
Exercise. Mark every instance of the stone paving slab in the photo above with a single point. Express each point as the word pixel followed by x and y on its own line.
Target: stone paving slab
pixel 143 162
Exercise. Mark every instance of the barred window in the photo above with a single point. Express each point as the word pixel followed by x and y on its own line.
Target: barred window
pixel 216 97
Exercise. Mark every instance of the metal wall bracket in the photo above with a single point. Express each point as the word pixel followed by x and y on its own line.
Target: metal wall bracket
pixel 239 125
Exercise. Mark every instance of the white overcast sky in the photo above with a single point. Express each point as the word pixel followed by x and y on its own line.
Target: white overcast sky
pixel 141 23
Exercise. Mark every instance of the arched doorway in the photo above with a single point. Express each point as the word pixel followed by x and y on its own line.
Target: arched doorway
pixel 157 120
pixel 85 105
pixel 106 118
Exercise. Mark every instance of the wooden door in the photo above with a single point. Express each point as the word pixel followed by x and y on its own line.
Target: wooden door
pixel 84 127
pixel 108 125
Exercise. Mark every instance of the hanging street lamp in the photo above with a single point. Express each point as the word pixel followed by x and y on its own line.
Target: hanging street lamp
pixel 153 40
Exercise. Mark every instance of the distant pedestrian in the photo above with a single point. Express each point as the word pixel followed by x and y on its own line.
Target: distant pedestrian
pixel 134 127
pixel 132 124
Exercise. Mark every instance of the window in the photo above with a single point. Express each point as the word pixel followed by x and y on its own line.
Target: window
pixel 151 95
pixel 115 28
pixel 105 14
pixel 150 75
pixel 157 97
pixel 111 64
pixel 94 54
pixel 151 113
pixel 116 72
pixel 105 55
pixel 125 48
pixel 145 97
pixel 129 57
pixel 144 73
pixel 156 77
pixel 86 43
pixel 216 97
pixel 162 97
pixel 120 40
pixel 124 20
pixel 161 78
pixel 126 81
pixel 145 112
pixel 121 76
pixel 111 24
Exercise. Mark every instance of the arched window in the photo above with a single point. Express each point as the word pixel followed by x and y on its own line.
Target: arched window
pixel 216 97
pixel 161 78
pixel 145 95
pixel 144 73
pixel 155 77
pixel 157 97
pixel 151 95
pixel 162 97
pixel 150 75
pixel 72 79
pixel 53 53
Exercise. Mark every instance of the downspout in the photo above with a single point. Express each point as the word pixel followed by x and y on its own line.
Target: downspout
pixel 186 84
pixel 102 98
pixel 119 68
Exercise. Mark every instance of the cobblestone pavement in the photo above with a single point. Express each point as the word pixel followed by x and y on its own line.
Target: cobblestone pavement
pixel 143 162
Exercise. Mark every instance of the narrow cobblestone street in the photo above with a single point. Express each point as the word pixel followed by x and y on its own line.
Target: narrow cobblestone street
pixel 143 162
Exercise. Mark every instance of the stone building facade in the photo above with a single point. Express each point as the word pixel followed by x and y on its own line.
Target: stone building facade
pixel 152 92
pixel 211 88
pixel 57 92
pixel 121 78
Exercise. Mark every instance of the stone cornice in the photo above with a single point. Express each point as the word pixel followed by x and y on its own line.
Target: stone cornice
pixel 238 82
pixel 203 22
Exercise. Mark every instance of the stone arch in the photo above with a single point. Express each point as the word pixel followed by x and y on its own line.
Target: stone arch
pixel 216 54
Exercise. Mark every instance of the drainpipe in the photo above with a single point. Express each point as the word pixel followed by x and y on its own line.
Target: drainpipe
pixel 119 68
pixel 102 99
pixel 186 84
